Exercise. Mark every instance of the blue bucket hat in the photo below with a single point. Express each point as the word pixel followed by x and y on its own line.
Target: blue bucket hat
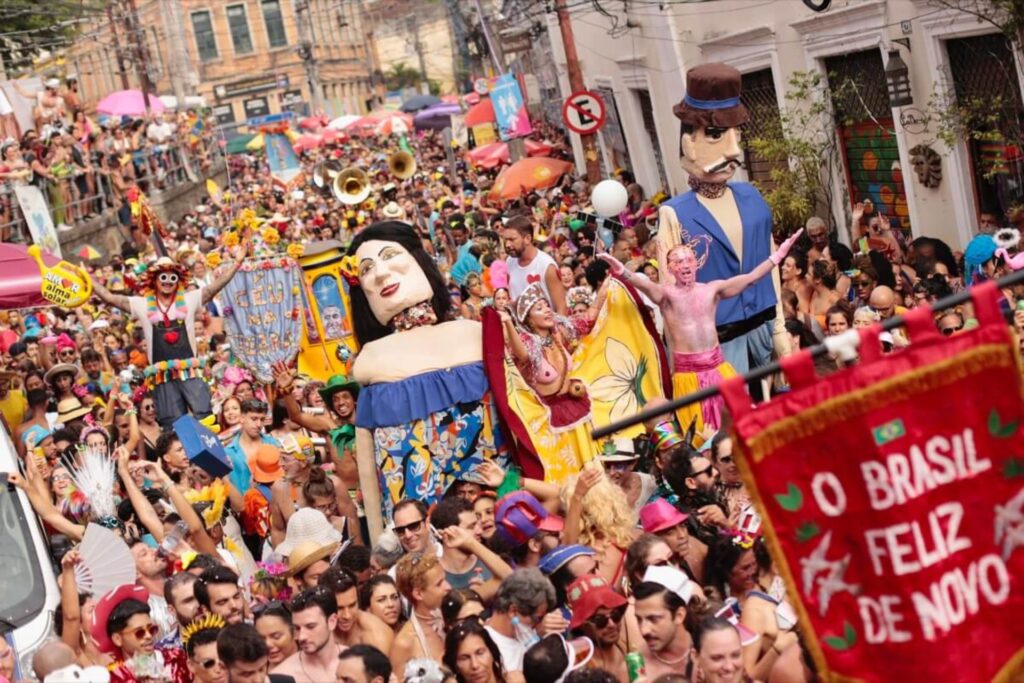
pixel 561 555
pixel 978 251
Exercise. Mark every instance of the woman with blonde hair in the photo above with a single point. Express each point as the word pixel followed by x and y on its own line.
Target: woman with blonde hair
pixel 601 519
pixel 421 580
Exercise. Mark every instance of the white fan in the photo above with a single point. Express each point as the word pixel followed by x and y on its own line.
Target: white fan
pixel 107 562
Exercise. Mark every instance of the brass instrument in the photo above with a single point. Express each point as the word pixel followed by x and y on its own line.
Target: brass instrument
pixel 402 165
pixel 324 174
pixel 351 186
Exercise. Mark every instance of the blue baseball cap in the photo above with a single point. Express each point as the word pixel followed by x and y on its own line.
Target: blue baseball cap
pixel 557 558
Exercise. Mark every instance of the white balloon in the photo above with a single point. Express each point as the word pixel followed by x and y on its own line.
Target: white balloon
pixel 609 198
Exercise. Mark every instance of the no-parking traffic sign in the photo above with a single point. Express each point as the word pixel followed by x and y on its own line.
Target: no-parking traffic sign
pixel 584 112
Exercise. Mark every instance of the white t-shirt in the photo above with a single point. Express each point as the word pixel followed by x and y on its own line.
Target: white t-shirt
pixel 521 277
pixel 512 651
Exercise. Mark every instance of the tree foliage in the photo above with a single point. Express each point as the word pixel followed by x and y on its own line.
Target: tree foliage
pixel 401 75
pixel 29 28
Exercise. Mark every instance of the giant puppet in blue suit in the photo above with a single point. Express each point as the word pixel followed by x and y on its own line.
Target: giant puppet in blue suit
pixel 732 219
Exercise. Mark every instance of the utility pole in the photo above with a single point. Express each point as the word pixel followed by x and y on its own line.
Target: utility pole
pixel 412 24
pixel 178 64
pixel 572 65
pixel 499 68
pixel 138 42
pixel 304 20
pixel 118 53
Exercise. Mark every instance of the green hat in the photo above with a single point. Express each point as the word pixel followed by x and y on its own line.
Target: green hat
pixel 336 384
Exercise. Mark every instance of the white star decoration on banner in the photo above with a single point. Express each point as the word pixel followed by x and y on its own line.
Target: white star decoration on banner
pixel 1009 520
pixel 827 574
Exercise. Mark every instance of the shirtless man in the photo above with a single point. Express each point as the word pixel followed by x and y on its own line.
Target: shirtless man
pixel 688 308
pixel 354 626
pixel 314 616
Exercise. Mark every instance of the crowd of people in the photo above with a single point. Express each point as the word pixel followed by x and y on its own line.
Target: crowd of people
pixel 84 165
pixel 648 568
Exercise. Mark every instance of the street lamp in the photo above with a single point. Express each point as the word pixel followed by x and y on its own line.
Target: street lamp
pixel 897 79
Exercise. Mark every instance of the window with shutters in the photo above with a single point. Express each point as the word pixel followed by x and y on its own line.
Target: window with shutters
pixel 989 101
pixel 758 95
pixel 867 136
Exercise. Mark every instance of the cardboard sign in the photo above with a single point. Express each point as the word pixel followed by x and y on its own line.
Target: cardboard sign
pixel 202 446
pixel 892 496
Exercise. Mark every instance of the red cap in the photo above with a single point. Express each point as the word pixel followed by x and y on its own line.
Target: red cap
pixel 587 594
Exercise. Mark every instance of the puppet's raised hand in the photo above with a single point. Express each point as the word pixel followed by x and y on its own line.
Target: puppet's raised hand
pixel 615 264
pixel 780 254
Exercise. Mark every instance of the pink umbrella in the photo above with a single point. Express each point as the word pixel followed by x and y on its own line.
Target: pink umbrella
pixel 306 142
pixel 128 103
pixel 330 135
pixel 313 122
pixel 21 286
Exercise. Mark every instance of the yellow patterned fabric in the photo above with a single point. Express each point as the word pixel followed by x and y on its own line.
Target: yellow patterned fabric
pixel 686 383
pixel 622 366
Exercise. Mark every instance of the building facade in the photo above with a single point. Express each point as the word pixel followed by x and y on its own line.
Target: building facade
pixel 637 62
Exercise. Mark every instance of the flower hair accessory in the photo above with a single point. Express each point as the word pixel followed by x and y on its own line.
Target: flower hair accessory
pixel 203 623
pixel 742 539
pixel 270 570
pixel 349 270
pixel 1007 238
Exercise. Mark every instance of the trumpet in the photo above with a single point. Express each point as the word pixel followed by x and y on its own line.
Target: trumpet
pixel 402 165
pixel 324 174
pixel 351 186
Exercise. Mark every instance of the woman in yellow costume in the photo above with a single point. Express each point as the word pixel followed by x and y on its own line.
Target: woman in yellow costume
pixel 565 375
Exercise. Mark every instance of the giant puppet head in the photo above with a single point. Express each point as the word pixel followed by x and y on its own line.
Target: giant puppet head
pixel 394 278
pixel 164 276
pixel 711 114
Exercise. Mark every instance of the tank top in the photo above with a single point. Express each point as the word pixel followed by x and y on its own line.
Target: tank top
pixel 521 277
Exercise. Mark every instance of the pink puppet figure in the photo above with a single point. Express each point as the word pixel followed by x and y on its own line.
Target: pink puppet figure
pixel 688 308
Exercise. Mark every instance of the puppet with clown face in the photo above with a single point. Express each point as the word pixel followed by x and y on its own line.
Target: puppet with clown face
pixel 730 219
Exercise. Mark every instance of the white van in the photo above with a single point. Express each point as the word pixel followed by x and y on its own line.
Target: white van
pixel 28 587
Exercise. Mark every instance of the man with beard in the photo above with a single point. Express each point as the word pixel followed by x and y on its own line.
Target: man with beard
pixel 695 480
pixel 597 613
pixel 180 594
pixel 412 529
pixel 660 607
pixel 528 265
pixel 314 618
pixel 218 592
pixel 354 626
pixel 151 574
pixel 92 364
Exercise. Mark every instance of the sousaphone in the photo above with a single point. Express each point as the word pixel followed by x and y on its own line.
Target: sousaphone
pixel 324 174
pixel 351 186
pixel 402 165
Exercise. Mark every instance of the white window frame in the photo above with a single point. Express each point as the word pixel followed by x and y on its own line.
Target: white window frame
pixel 248 29
pixel 843 31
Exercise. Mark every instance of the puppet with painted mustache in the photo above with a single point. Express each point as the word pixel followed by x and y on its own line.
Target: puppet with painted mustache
pixel 730 218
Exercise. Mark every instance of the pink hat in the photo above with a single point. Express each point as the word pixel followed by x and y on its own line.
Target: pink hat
pixel 106 605
pixel 660 515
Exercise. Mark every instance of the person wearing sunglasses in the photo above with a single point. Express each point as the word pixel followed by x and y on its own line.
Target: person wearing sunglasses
pixel 951 323
pixel 166 313
pixel 735 493
pixel 621 468
pixel 695 480
pixel 412 528
pixel 122 627
pixel 598 613
pixel 200 640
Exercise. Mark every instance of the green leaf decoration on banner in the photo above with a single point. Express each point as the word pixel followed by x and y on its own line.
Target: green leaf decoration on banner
pixel 999 430
pixel 846 641
pixel 792 500
pixel 1013 468
pixel 807 531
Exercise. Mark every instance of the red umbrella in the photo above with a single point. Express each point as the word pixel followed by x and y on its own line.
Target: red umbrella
pixel 313 123
pixel 306 142
pixel 471 97
pixel 480 113
pixel 495 154
pixel 21 285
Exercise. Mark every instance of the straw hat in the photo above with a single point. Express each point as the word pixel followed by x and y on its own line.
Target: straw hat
pixel 70 409
pixel 59 368
pixel 307 524
pixel 307 553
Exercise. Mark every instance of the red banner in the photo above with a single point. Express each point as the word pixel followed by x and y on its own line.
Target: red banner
pixel 892 496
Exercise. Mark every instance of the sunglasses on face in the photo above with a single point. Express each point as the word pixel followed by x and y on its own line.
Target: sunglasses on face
pixel 601 620
pixel 208 663
pixel 412 528
pixel 68 353
pixel 142 631
pixel 707 470
pixel 950 331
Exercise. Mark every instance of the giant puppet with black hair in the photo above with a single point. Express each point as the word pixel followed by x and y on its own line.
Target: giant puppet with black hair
pixel 425 415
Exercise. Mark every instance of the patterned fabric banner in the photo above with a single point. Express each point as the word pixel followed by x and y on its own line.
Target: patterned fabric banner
pixel 261 310
pixel 892 497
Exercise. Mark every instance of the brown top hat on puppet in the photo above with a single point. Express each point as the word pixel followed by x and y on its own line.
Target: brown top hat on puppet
pixel 712 98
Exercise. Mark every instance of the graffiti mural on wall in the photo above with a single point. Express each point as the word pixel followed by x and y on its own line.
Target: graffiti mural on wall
pixel 873 169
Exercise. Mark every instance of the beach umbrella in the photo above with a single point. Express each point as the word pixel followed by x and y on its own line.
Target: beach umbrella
pixel 306 142
pixel 495 154
pixel 480 113
pixel 533 173
pixel 88 253
pixel 437 117
pixel 343 122
pixel 128 103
